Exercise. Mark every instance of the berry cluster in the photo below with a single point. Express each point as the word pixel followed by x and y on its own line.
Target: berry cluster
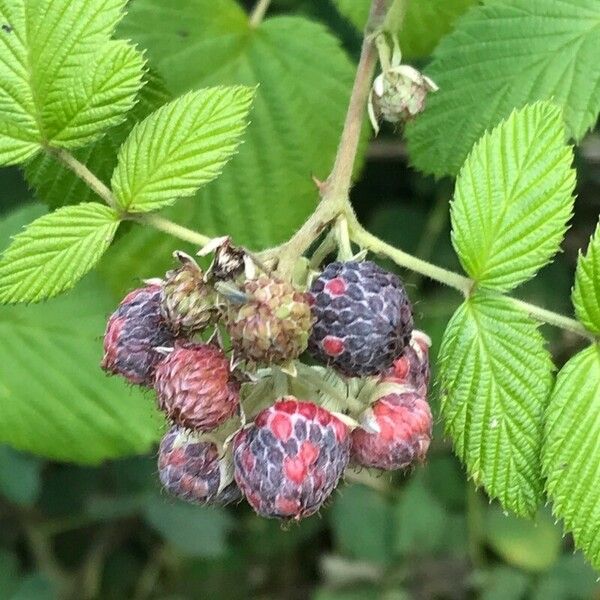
pixel 221 349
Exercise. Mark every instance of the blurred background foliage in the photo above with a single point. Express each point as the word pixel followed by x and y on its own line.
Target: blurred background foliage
pixel 102 528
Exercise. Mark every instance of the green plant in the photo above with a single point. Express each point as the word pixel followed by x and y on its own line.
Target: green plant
pixel 67 109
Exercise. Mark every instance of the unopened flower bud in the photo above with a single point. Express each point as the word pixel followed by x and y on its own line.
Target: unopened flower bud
pixel 398 95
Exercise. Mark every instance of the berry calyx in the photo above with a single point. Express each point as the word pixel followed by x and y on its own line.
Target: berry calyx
pixel 133 333
pixel 191 469
pixel 291 458
pixel 272 325
pixel 363 318
pixel 195 387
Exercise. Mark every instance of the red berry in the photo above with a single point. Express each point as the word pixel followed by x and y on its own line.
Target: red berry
pixel 195 388
pixel 133 332
pixel 190 469
pixel 291 458
pixel 412 367
pixel 403 421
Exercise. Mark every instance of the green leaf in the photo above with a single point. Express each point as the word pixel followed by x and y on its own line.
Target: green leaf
pixel 62 80
pixel 513 198
pixel 530 545
pixel 356 11
pixel 571 452
pixel 422 521
pixel 570 578
pixel 55 251
pixel 20 479
pixel 503 583
pixel 304 79
pixel 36 586
pixel 495 379
pixel 586 293
pixel 56 185
pixel 100 95
pixel 425 23
pixel 9 572
pixel 503 55
pixel 196 531
pixel 361 520
pixel 180 147
pixel 54 399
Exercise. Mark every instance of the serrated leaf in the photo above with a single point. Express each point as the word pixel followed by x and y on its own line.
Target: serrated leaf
pixel 100 94
pixel 586 293
pixel 180 147
pixel 425 23
pixel 51 254
pixel 571 451
pixel 54 399
pixel 62 80
pixel 304 79
pixel 495 379
pixel 56 185
pixel 513 198
pixel 503 55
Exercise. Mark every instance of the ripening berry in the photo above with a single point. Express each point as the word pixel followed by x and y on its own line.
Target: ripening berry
pixel 403 422
pixel 273 325
pixel 195 388
pixel 187 302
pixel 363 318
pixel 291 458
pixel 133 332
pixel 190 469
pixel 412 367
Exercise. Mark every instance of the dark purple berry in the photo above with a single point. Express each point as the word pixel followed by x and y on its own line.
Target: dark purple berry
pixel 133 332
pixel 363 318
pixel 189 469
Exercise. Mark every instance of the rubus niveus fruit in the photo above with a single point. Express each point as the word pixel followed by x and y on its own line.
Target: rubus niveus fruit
pixel 195 387
pixel 190 469
pixel 273 325
pixel 399 431
pixel 133 333
pixel 187 302
pixel 363 318
pixel 291 458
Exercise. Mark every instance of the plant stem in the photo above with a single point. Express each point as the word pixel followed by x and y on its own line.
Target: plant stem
pixel 335 191
pixel 367 240
pixel 326 247
pixel 459 282
pixel 552 318
pixel 97 186
pixel 167 226
pixel 395 16
pixel 258 12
